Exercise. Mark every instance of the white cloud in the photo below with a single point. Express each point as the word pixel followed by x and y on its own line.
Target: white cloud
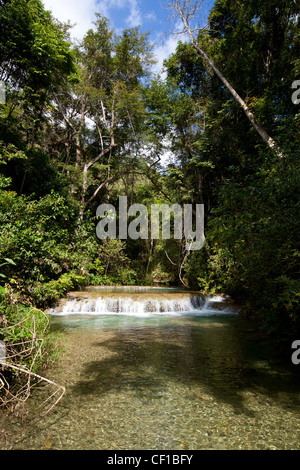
pixel 151 16
pixel 162 51
pixel 105 7
pixel 135 17
pixel 132 13
pixel 81 13
pixel 166 45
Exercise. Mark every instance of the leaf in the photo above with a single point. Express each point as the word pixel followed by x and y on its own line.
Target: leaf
pixel 10 261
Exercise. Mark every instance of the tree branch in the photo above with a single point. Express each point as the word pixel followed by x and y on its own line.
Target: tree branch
pixel 186 10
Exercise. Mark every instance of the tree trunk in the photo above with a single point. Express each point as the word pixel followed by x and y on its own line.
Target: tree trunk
pixel 187 10
pixel 83 193
pixel 260 130
pixel 77 164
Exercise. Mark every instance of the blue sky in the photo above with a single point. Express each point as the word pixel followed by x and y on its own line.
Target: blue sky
pixel 149 15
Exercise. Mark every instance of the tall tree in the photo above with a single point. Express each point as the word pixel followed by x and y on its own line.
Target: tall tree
pixel 99 111
pixel 34 54
pixel 35 59
pixel 186 10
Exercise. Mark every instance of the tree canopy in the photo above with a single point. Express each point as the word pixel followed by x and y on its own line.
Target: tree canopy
pixel 86 123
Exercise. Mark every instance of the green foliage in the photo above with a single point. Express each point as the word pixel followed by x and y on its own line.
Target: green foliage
pixel 113 265
pixel 34 53
pixel 160 276
pixel 251 198
pixel 35 234
pixel 6 262
pixel 25 332
pixel 208 270
pixel 45 294
pixel 55 167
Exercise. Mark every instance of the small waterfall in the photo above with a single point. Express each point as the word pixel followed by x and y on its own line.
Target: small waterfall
pixel 143 302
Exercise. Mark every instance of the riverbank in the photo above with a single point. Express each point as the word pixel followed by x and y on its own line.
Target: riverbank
pixel 165 383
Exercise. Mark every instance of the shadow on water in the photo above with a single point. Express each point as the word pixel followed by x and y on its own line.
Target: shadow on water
pixel 221 356
pixel 202 379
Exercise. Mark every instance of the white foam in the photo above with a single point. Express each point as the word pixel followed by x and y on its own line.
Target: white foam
pixel 141 307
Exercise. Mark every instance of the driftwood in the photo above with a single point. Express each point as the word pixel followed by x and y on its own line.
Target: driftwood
pixel 15 392
pixel 24 391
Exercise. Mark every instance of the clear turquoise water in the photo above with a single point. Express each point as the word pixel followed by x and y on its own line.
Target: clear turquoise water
pixel 166 382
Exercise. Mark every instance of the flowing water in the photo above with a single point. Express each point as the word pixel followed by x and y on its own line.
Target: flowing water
pixel 158 369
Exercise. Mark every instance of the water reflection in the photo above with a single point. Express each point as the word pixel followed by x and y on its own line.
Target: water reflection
pixel 168 382
pixel 209 353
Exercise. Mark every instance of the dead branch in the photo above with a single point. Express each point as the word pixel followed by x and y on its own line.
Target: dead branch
pixel 59 388
pixel 15 392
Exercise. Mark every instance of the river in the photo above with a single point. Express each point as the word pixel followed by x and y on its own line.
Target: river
pixel 162 369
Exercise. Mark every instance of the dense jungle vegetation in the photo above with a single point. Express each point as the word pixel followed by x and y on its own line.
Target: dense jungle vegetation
pixel 85 123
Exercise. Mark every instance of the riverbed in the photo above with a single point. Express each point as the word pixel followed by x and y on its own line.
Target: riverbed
pixel 176 381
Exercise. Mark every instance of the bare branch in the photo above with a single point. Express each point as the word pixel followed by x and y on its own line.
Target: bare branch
pixel 15 394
